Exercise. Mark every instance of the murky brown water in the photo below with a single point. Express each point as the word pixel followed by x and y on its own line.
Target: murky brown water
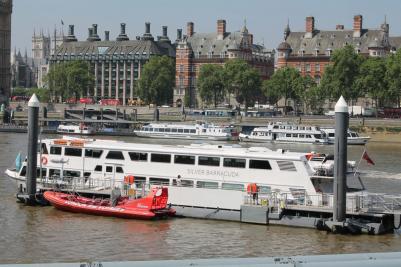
pixel 44 234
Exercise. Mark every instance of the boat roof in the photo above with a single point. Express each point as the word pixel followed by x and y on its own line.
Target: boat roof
pixel 197 149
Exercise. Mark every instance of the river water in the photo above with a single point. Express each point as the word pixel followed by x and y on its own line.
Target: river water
pixel 44 234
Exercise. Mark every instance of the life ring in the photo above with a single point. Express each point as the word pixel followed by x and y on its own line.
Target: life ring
pixel 44 160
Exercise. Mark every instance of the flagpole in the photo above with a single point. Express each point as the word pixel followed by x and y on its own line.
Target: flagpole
pixel 360 160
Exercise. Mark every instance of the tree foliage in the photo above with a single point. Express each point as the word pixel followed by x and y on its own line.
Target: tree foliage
pixel 211 84
pixel 157 80
pixel 393 78
pixel 67 79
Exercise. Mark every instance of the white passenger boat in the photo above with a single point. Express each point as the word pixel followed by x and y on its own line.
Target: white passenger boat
pixel 80 129
pixel 353 138
pixel 220 172
pixel 201 130
pixel 286 133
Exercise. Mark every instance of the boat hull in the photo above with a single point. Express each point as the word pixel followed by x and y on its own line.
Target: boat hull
pixel 62 201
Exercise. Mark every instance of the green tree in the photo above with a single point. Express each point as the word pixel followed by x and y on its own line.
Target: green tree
pixel 393 78
pixel 157 80
pixel 285 83
pixel 210 84
pixel 243 81
pixel 372 79
pixel 339 78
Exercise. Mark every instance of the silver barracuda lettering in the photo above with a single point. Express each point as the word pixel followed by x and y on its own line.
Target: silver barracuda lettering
pixel 221 173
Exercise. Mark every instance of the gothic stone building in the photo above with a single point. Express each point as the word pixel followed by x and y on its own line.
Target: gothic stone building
pixel 116 64
pixel 309 51
pixel 218 47
pixel 5 48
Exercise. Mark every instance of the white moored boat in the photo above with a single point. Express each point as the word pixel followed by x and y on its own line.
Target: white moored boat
pixel 185 131
pixel 353 138
pixel 81 129
pixel 286 133
pixel 220 172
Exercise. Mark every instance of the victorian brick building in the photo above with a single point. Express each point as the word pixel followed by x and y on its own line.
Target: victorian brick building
pixel 309 51
pixel 195 49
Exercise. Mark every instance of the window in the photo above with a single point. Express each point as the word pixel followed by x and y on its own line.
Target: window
pixel 307 67
pixel 92 153
pixel 209 161
pixel 259 164
pixel 164 158
pixel 181 68
pixel 109 168
pixel 137 156
pixel 23 171
pixel 73 152
pixel 119 169
pixel 159 181
pixel 233 162
pixel 192 131
pixel 115 155
pixel 230 186
pixel 54 173
pixel 68 173
pixel 44 149
pixel 317 67
pixel 43 172
pixel 184 159
pixel 204 184
pixel 98 168
pixel 55 150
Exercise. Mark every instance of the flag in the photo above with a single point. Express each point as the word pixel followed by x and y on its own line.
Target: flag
pixel 366 157
pixel 62 22
pixel 18 162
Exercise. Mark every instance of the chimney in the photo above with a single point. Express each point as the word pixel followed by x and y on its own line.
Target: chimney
pixel 122 36
pixel 221 29
pixel 310 27
pixel 107 35
pixel 95 37
pixel 71 37
pixel 147 35
pixel 357 26
pixel 339 27
pixel 190 29
pixel 164 31
pixel 90 33
pixel 179 34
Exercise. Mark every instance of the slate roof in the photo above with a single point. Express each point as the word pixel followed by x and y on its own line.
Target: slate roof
pixel 208 42
pixel 395 42
pixel 332 40
pixel 116 48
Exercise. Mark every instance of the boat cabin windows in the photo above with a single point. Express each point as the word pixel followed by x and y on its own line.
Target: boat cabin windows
pixel 234 162
pixel 93 153
pixel 180 130
pixel 119 169
pixel 43 148
pixel 308 136
pixel 163 158
pixel 139 181
pixel 186 130
pixel 23 171
pixel 115 155
pixel 207 184
pixel 73 152
pixel 318 136
pixel 68 173
pixel 184 159
pixel 98 168
pixel 109 168
pixel 174 130
pixel 192 131
pixel 44 170
pixel 184 183
pixel 231 186
pixel 54 173
pixel 264 189
pixel 137 156
pixel 159 181
pixel 331 134
pixel 209 161
pixel 287 135
pixel 301 136
pixel 161 130
pixel 55 150
pixel 259 164
pixel 286 165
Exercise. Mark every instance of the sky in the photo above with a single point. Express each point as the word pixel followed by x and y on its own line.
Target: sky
pixel 264 18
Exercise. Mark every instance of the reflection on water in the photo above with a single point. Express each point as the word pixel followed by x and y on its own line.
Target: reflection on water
pixel 44 234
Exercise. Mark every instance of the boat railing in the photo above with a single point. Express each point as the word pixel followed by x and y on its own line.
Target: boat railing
pixel 355 203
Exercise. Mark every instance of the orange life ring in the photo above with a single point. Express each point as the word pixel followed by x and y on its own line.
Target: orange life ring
pixel 44 160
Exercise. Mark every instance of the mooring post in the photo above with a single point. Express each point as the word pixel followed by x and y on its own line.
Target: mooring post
pixel 33 115
pixel 340 160
pixel 156 115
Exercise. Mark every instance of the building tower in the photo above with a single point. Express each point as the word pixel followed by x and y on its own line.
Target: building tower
pixel 40 46
pixel 5 49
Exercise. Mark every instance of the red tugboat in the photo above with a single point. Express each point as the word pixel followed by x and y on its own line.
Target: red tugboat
pixel 154 205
